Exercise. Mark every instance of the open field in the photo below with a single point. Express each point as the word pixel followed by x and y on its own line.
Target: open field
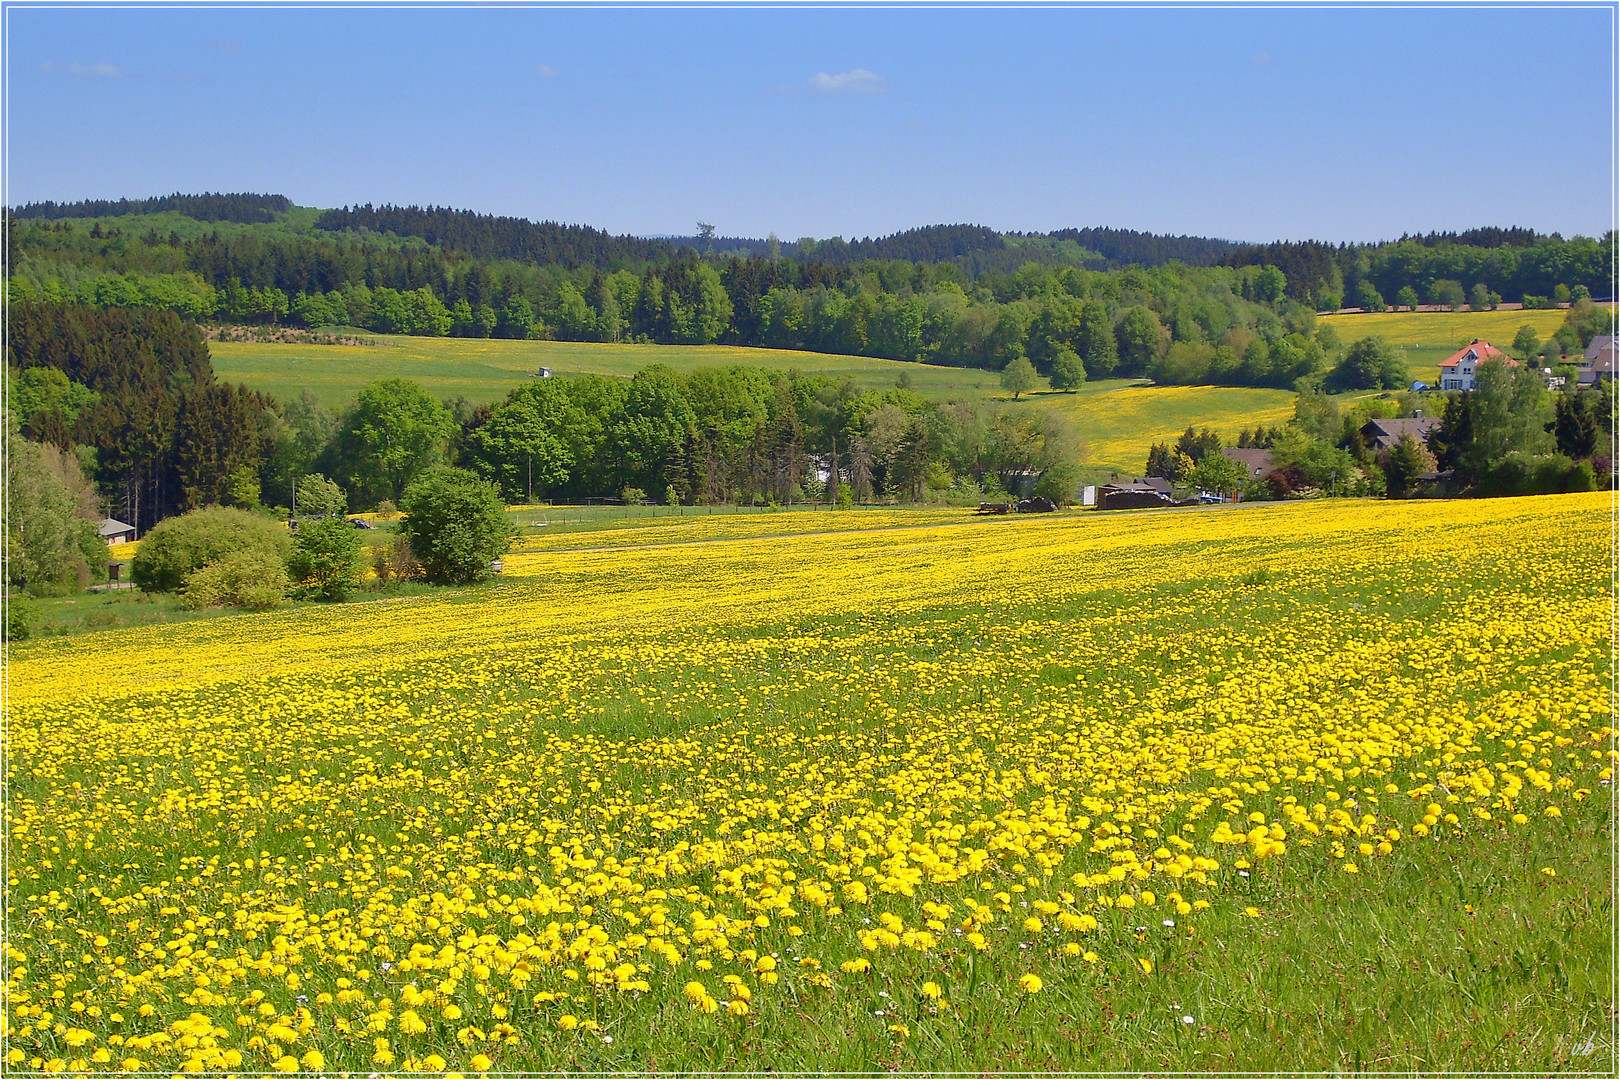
pixel 484 369
pixel 1444 329
pixel 1119 420
pixel 1283 787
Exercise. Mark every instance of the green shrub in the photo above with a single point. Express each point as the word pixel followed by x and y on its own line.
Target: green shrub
pixel 319 497
pixel 247 578
pixel 180 545
pixel 1059 483
pixel 17 621
pixel 52 543
pixel 456 524
pixel 1536 474
pixel 326 558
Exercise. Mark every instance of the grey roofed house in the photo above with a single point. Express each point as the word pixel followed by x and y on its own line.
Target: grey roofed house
pixel 1151 483
pixel 1386 434
pixel 116 532
pixel 1598 360
pixel 1256 462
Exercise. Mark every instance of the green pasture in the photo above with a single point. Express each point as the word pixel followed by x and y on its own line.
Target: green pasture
pixel 485 369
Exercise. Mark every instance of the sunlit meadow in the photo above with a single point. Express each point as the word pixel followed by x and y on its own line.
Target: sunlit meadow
pixel 1318 786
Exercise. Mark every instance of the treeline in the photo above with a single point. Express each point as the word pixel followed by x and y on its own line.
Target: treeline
pixel 130 394
pixel 486 236
pixel 239 207
pixel 747 435
pixel 1518 265
pixel 914 311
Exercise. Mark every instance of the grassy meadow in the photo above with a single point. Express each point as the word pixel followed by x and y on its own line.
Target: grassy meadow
pixel 485 369
pixel 1283 787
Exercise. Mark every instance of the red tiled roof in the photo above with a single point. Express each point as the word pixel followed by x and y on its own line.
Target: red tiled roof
pixel 1482 351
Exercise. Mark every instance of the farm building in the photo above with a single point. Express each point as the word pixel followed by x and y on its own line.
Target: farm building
pixel 1457 370
pixel 116 532
pixel 1149 491
pixel 1386 434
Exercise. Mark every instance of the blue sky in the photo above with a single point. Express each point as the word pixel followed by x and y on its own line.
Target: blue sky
pixel 1336 124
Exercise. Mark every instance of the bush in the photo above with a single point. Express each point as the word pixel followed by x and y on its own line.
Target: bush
pixel 178 546
pixel 456 524
pixel 319 497
pixel 52 543
pixel 16 625
pixel 633 496
pixel 247 578
pixel 395 562
pixel 326 558
pixel 1059 483
pixel 1535 474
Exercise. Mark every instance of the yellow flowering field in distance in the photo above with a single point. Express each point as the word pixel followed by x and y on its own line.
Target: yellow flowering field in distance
pixel 1284 787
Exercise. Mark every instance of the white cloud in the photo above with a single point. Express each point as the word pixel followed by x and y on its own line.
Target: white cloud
pixel 546 71
pixel 78 70
pixel 857 81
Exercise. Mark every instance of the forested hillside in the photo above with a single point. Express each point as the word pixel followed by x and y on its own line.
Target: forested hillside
pixel 239 207
pixel 1076 303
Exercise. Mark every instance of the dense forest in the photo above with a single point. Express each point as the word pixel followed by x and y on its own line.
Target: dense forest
pixel 1078 304
pixel 239 207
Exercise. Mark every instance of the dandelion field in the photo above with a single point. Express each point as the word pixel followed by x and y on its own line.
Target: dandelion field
pixel 1321 786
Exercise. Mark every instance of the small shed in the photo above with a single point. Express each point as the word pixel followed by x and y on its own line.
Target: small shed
pixel 115 532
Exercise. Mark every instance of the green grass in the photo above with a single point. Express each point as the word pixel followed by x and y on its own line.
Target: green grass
pixel 61 616
pixel 485 369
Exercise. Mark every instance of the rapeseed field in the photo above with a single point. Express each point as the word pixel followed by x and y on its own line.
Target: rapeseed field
pixel 1311 786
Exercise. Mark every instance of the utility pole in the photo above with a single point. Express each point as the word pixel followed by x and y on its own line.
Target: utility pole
pixel 529 498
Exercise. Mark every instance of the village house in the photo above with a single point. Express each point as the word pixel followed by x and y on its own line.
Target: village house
pixel 1597 363
pixel 1457 370
pixel 1386 434
pixel 1256 462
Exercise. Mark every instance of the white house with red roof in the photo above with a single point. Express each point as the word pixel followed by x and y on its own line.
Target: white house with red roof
pixel 1457 370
